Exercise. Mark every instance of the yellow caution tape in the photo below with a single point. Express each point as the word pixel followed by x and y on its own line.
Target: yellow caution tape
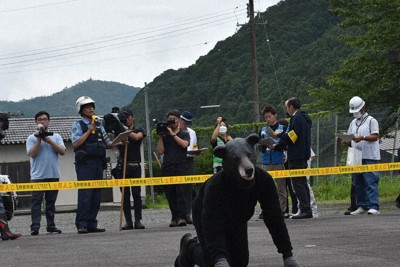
pixel 189 179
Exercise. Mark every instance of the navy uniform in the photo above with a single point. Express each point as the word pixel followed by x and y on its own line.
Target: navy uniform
pixel 89 165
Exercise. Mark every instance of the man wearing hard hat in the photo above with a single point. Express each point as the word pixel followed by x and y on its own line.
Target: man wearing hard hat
pixel 90 141
pixel 365 129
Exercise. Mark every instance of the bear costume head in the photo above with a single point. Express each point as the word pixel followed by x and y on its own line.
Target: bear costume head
pixel 238 159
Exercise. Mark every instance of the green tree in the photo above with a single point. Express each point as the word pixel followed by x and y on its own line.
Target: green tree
pixel 371 28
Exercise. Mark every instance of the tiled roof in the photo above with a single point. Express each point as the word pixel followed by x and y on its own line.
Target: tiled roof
pixel 20 128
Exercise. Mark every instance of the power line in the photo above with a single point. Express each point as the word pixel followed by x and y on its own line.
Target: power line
pixel 144 39
pixel 113 37
pixel 36 6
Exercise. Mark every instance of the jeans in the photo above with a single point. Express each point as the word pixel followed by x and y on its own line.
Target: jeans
pixel 366 185
pixel 88 199
pixel 50 198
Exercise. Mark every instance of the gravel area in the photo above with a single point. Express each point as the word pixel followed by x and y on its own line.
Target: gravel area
pixel 109 217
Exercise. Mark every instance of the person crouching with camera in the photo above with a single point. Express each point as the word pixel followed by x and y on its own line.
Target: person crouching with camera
pixel 172 144
pixel 43 148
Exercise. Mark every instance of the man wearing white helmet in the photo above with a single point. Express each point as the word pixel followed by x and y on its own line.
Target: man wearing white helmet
pixel 90 141
pixel 365 129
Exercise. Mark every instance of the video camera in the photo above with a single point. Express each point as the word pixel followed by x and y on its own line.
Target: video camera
pixel 96 121
pixel 161 127
pixel 42 132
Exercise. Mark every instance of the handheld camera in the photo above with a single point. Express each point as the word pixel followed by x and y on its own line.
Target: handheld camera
pixel 42 133
pixel 161 127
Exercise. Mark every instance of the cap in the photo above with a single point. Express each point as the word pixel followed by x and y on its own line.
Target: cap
pixel 187 116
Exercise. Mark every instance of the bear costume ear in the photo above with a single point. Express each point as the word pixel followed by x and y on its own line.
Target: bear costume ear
pixel 220 151
pixel 252 139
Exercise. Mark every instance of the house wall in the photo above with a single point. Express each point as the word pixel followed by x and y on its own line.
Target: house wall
pixel 17 153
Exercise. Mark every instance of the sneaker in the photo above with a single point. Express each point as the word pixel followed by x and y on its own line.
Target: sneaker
pixel 54 230
pixel 127 226
pixel 358 211
pixel 173 223
pixel 34 232
pixel 373 212
pixel 181 222
pixel 139 225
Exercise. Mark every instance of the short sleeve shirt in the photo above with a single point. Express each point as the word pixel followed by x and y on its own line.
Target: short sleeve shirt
pixel 45 164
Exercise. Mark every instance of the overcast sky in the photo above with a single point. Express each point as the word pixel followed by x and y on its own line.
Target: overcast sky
pixel 47 45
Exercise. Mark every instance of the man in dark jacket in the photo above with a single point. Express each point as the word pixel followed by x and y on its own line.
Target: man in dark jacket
pixel 298 140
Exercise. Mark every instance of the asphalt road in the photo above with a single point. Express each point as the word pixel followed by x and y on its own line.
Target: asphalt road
pixel 330 240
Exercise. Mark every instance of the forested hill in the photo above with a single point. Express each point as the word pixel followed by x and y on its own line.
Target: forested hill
pixel 302 43
pixel 105 94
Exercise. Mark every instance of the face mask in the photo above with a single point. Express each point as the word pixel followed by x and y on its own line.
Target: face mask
pixel 357 115
pixel 223 129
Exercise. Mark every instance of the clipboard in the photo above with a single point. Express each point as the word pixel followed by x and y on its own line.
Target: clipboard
pixel 345 137
pixel 269 131
pixel 197 151
pixel 121 137
pixel 268 142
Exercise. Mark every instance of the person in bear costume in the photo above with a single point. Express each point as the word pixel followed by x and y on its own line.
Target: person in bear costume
pixel 224 205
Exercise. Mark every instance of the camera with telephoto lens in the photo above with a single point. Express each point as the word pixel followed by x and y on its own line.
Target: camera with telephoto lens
pixel 42 133
pixel 162 127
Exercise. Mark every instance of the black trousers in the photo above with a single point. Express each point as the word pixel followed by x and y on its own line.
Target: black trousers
pixel 50 208
pixel 179 196
pixel 300 186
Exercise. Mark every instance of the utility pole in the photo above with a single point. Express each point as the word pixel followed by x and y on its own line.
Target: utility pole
pixel 150 157
pixel 254 77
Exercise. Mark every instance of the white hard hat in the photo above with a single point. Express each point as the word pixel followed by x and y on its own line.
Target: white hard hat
pixel 356 104
pixel 83 100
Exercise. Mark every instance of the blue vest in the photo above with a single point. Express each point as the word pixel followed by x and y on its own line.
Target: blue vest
pixel 272 156
pixel 93 147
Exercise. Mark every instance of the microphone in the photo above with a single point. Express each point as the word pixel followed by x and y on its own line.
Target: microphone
pixel 40 128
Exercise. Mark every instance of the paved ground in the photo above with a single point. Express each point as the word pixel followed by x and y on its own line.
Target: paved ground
pixel 330 240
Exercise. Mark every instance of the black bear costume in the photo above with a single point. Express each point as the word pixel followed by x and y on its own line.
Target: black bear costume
pixel 226 203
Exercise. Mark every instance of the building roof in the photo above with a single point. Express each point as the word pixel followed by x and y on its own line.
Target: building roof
pixel 20 128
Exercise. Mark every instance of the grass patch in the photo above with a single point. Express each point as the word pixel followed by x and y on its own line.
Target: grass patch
pixel 327 189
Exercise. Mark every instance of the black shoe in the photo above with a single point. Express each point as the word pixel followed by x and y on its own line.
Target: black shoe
pixel 96 230
pixel 127 226
pixel 54 230
pixel 189 220
pixel 82 231
pixel 183 259
pixel 350 210
pixel 302 216
pixel 34 232
pixel 139 225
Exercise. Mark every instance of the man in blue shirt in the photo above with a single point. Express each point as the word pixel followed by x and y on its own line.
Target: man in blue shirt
pixel 43 148
pixel 273 153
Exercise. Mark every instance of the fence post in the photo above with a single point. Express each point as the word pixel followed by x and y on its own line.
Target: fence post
pixel 335 151
pixel 394 146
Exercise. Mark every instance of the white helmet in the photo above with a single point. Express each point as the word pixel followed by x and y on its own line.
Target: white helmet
pixel 83 100
pixel 356 104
